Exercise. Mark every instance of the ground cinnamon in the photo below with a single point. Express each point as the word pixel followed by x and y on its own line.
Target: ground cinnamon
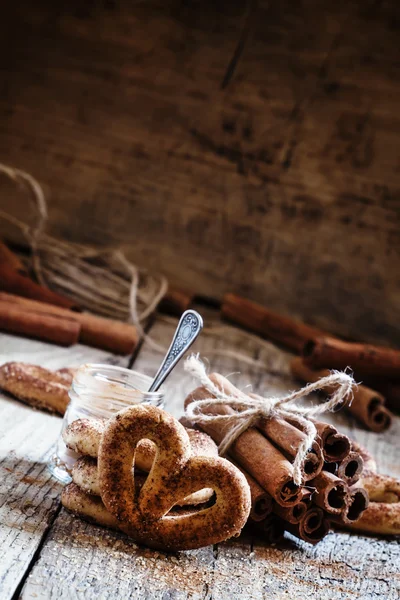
pixel 19 319
pixel 364 359
pixel 267 323
pixel 100 332
pixel 370 465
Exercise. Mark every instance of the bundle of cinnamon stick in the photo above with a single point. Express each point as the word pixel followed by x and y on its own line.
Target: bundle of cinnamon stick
pixel 265 454
pixel 377 366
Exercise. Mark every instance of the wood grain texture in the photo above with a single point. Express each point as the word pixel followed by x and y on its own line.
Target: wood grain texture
pixel 29 496
pixel 282 186
pixel 97 563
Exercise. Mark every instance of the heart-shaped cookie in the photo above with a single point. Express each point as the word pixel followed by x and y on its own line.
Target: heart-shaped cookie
pixel 83 437
pixel 174 475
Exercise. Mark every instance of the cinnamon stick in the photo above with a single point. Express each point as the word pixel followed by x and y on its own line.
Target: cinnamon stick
pixel 378 518
pixel 313 526
pixel 335 446
pixel 187 423
pixel 292 514
pixel 272 529
pixel 331 467
pixel 357 503
pixel 382 514
pixel 261 501
pixel 14 283
pixel 350 468
pixel 370 466
pixel 365 359
pixel 261 459
pixel 331 493
pixel 288 438
pixel 389 389
pixel 312 520
pixel 11 260
pixel 100 332
pixel 254 452
pixel 267 323
pixel 381 419
pixel 176 301
pixel 15 318
pixel 367 404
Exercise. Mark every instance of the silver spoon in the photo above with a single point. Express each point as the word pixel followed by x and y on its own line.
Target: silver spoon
pixel 188 329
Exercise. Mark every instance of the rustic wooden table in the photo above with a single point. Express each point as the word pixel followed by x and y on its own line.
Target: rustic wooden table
pixel 48 553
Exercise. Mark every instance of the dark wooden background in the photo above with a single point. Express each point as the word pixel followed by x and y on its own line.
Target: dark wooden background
pixel 280 181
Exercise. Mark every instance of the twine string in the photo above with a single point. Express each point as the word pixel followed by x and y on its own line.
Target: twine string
pixel 250 408
pixel 100 280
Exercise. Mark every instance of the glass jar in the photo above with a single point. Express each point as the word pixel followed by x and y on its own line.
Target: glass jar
pixel 98 392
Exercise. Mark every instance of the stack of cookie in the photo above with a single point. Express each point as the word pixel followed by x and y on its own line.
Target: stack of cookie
pixel 184 472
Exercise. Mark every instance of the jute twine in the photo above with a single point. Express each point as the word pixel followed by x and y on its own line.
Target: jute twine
pixel 100 280
pixel 249 409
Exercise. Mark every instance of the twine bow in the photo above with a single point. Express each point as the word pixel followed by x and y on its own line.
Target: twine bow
pixel 249 409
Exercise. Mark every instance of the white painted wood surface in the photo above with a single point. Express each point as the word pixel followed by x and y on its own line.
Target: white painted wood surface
pixel 29 496
pixel 78 560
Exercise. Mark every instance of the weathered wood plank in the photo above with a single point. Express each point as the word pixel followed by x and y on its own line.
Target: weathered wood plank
pixel 16 348
pixel 81 560
pixel 95 563
pixel 29 496
pixel 284 186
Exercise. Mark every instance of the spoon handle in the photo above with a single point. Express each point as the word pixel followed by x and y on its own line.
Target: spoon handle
pixel 188 329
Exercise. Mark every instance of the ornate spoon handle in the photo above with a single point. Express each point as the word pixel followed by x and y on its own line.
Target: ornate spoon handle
pixel 187 331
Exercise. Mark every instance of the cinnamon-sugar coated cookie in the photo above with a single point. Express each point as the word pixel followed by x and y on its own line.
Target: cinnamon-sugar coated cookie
pixel 175 474
pixel 36 385
pixel 83 437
